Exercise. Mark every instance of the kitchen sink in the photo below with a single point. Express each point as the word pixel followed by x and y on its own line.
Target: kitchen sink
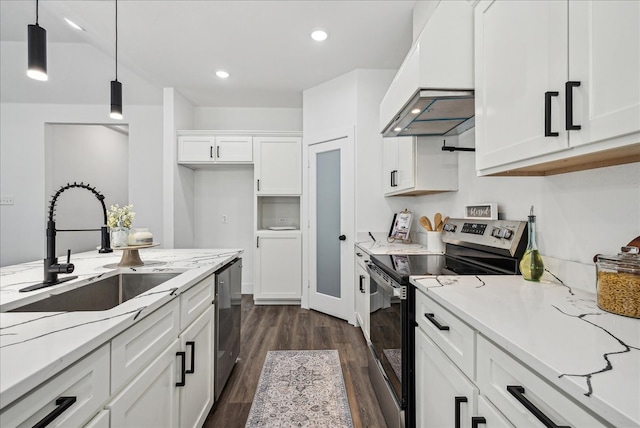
pixel 99 295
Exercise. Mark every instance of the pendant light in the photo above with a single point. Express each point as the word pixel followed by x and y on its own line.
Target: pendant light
pixel 116 87
pixel 37 50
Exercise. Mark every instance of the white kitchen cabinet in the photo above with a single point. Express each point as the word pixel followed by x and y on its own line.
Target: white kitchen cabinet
pixel 418 166
pixel 212 149
pixel 445 397
pixel 151 399
pixel 101 420
pixel 134 348
pixel 278 267
pixel 530 118
pixel 278 165
pixel 513 389
pixel 490 416
pixel 69 399
pixel 196 396
pixel 362 292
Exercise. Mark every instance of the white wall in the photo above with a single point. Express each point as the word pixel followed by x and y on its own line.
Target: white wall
pixel 92 154
pixel 22 169
pixel 248 119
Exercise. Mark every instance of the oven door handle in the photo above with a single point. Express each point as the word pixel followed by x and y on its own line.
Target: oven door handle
pixel 400 292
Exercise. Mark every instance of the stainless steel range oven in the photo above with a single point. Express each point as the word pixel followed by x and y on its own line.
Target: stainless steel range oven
pixel 473 247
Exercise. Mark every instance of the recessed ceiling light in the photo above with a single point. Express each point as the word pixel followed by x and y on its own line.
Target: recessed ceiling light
pixel 319 35
pixel 222 74
pixel 397 129
pixel 74 25
pixel 416 111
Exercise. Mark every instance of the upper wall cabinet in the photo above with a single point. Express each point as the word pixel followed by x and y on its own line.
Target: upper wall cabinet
pixel 412 167
pixel 211 149
pixel 557 85
pixel 278 165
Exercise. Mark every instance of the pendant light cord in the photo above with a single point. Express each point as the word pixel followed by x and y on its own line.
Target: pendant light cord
pixel 36 12
pixel 116 39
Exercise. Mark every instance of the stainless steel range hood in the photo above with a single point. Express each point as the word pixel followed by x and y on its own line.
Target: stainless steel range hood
pixel 434 112
pixel 432 93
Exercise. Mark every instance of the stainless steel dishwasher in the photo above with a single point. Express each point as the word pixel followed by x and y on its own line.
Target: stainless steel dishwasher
pixel 228 317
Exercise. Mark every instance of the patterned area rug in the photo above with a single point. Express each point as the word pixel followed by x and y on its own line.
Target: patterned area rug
pixel 394 356
pixel 300 389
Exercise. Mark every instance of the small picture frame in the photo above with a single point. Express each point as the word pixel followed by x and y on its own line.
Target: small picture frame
pixel 401 227
pixel 487 211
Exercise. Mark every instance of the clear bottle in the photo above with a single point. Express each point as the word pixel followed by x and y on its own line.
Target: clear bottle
pixel 531 264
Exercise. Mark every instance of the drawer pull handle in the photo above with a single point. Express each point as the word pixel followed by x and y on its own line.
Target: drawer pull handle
pixel 63 404
pixel 458 401
pixel 193 357
pixel 211 152
pixel 518 392
pixel 183 367
pixel 568 111
pixel 547 113
pixel 441 327
pixel 477 420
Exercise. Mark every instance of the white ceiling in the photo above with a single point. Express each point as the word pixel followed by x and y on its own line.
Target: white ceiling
pixel 264 45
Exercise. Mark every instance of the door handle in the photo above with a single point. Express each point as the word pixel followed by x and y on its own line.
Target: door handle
pixel 342 237
pixel 518 392
pixel 547 113
pixel 568 108
pixel 458 401
pixel 183 367
pixel 63 404
pixel 362 278
pixel 432 318
pixel 192 344
pixel 211 152
pixel 218 152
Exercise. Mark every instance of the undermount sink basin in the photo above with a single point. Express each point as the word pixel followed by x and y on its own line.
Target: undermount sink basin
pixel 99 295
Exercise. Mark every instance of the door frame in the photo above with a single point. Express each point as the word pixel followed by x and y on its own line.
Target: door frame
pixel 348 270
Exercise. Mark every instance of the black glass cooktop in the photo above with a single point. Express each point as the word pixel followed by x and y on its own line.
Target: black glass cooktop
pixel 455 262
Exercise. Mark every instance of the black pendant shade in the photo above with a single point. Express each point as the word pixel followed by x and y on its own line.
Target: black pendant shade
pixel 37 52
pixel 116 100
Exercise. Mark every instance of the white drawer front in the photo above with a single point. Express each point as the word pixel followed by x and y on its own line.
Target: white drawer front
pixel 493 418
pixel 497 370
pixel 101 420
pixel 452 335
pixel 196 300
pixel 87 381
pixel 135 347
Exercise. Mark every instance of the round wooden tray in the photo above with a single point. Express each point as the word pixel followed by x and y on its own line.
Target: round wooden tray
pixel 130 255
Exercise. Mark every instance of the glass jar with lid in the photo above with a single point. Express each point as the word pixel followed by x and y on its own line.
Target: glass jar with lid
pixel 618 282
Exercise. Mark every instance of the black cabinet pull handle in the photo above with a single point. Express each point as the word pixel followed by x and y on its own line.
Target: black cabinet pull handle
pixel 63 404
pixel 568 108
pixel 432 318
pixel 547 113
pixel 458 401
pixel 391 178
pixel 518 392
pixel 193 357
pixel 257 242
pixel 183 367
pixel 362 278
pixel 477 420
pixel 218 152
pixel 211 152
pixel 258 185
pixel 394 178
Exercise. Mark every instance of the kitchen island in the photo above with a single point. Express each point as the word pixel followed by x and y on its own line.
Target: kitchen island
pixel 35 346
pixel 573 360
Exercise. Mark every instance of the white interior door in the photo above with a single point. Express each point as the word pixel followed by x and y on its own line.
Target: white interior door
pixel 331 227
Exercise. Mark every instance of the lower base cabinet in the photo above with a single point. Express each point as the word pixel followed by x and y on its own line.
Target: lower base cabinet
pixel 362 293
pixel 196 396
pixel 101 420
pixel 151 399
pixel 278 268
pixel 444 395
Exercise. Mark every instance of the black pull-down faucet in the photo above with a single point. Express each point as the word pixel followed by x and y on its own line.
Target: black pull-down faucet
pixel 51 266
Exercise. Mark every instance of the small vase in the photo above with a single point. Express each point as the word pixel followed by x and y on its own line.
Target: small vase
pixel 119 236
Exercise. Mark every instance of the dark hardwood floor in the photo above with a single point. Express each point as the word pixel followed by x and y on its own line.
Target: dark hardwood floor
pixel 266 328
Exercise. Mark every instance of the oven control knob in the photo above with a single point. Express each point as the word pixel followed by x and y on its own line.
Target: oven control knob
pixel 496 232
pixel 508 234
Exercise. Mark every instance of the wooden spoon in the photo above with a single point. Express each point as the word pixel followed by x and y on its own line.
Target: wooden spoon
pixel 437 219
pixel 442 223
pixel 426 223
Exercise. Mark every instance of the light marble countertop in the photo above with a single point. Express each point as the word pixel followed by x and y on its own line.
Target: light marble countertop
pixel 36 346
pixel 381 246
pixel 558 331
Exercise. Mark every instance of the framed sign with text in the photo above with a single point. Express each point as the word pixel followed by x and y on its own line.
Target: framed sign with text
pixel 481 211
